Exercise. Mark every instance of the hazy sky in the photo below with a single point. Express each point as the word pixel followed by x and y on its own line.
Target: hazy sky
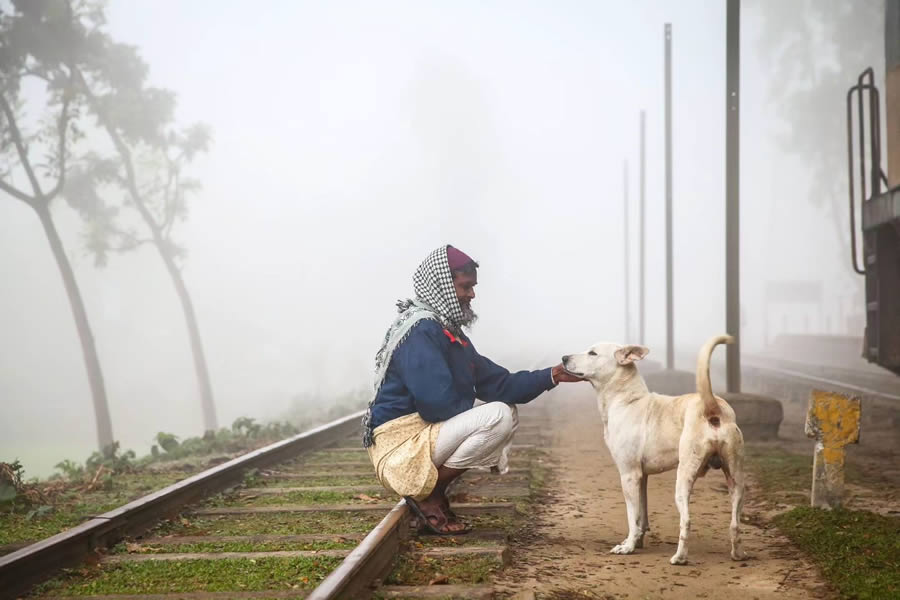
pixel 350 139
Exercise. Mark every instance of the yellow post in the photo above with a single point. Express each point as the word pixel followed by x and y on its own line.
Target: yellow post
pixel 833 420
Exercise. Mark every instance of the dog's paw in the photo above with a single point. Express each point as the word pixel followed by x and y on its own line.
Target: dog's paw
pixel 678 559
pixel 623 548
pixel 738 554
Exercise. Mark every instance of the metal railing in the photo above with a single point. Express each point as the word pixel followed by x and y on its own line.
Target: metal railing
pixel 868 109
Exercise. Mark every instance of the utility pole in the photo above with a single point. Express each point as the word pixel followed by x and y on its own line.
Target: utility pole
pixel 641 339
pixel 670 324
pixel 732 195
pixel 627 257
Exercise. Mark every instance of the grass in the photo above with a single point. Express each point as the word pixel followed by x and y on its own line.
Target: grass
pixel 320 497
pixel 73 507
pixel 138 548
pixel 192 576
pixel 780 473
pixel 421 570
pixel 274 524
pixel 858 551
pixel 788 477
pixel 330 457
pixel 316 481
pixel 436 541
pixel 15 527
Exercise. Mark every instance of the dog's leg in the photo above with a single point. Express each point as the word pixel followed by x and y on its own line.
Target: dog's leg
pixel 631 487
pixel 684 484
pixel 734 476
pixel 645 519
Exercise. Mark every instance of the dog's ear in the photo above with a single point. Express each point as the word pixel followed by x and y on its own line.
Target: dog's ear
pixel 626 355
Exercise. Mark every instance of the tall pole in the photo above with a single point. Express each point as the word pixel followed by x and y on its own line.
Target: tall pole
pixel 627 257
pixel 641 339
pixel 732 194
pixel 670 325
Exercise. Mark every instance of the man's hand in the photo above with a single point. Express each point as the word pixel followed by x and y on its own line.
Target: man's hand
pixel 560 375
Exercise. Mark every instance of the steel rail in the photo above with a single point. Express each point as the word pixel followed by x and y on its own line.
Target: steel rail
pixel 370 561
pixel 22 569
pixel 822 380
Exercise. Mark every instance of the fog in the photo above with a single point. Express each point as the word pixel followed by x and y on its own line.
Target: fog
pixel 349 140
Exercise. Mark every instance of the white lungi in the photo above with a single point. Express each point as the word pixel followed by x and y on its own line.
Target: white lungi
pixel 477 438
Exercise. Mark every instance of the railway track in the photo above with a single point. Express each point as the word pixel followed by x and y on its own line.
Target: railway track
pixel 886 386
pixel 792 382
pixel 301 518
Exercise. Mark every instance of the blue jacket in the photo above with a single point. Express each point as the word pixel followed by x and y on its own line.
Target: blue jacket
pixel 439 376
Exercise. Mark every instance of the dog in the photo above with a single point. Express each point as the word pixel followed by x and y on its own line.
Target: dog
pixel 648 433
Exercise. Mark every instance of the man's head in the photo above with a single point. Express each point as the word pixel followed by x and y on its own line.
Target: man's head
pixel 465 278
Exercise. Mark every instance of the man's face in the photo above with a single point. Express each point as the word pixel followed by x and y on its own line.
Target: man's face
pixel 465 287
pixel 465 283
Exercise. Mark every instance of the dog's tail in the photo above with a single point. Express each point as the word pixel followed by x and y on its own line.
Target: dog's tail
pixel 704 388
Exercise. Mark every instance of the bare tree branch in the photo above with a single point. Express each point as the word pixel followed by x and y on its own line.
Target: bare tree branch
pixel 170 206
pixel 16 193
pixel 122 149
pixel 63 125
pixel 20 146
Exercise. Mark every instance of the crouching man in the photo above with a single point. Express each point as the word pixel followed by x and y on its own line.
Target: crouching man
pixel 422 428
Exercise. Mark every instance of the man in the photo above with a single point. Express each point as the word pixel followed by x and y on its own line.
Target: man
pixel 422 429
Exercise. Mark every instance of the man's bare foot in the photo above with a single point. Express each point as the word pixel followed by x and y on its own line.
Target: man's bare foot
pixel 438 519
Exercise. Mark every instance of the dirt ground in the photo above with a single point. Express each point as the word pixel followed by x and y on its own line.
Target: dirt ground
pixel 584 516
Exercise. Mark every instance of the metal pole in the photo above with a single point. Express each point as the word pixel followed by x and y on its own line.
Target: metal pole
pixel 627 258
pixel 670 326
pixel 641 339
pixel 732 194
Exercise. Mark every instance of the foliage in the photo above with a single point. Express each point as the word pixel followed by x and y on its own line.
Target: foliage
pixel 100 190
pixel 112 459
pixel 816 50
pixel 16 494
pixel 47 42
pixel 167 441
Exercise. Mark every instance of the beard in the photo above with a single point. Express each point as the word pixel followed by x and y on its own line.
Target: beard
pixel 469 316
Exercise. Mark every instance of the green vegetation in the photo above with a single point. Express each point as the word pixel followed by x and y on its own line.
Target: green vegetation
pixel 333 457
pixel 244 498
pixel 193 575
pixel 421 570
pixel 66 504
pixel 335 543
pixel 787 477
pixel 316 481
pixel 245 434
pixel 271 523
pixel 858 551
pixel 780 474
pixel 34 510
pixel 317 497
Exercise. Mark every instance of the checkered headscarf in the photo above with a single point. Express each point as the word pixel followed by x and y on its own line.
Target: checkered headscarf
pixel 436 300
pixel 433 284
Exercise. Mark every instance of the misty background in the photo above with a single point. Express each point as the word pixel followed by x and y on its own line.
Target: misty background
pixel 350 139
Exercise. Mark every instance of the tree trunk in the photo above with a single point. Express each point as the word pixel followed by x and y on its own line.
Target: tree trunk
pixel 210 422
pixel 88 349
pixel 206 396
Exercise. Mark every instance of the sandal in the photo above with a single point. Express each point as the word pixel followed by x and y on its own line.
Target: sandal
pixel 453 519
pixel 428 527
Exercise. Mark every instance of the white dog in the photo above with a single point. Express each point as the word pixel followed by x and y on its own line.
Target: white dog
pixel 649 433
